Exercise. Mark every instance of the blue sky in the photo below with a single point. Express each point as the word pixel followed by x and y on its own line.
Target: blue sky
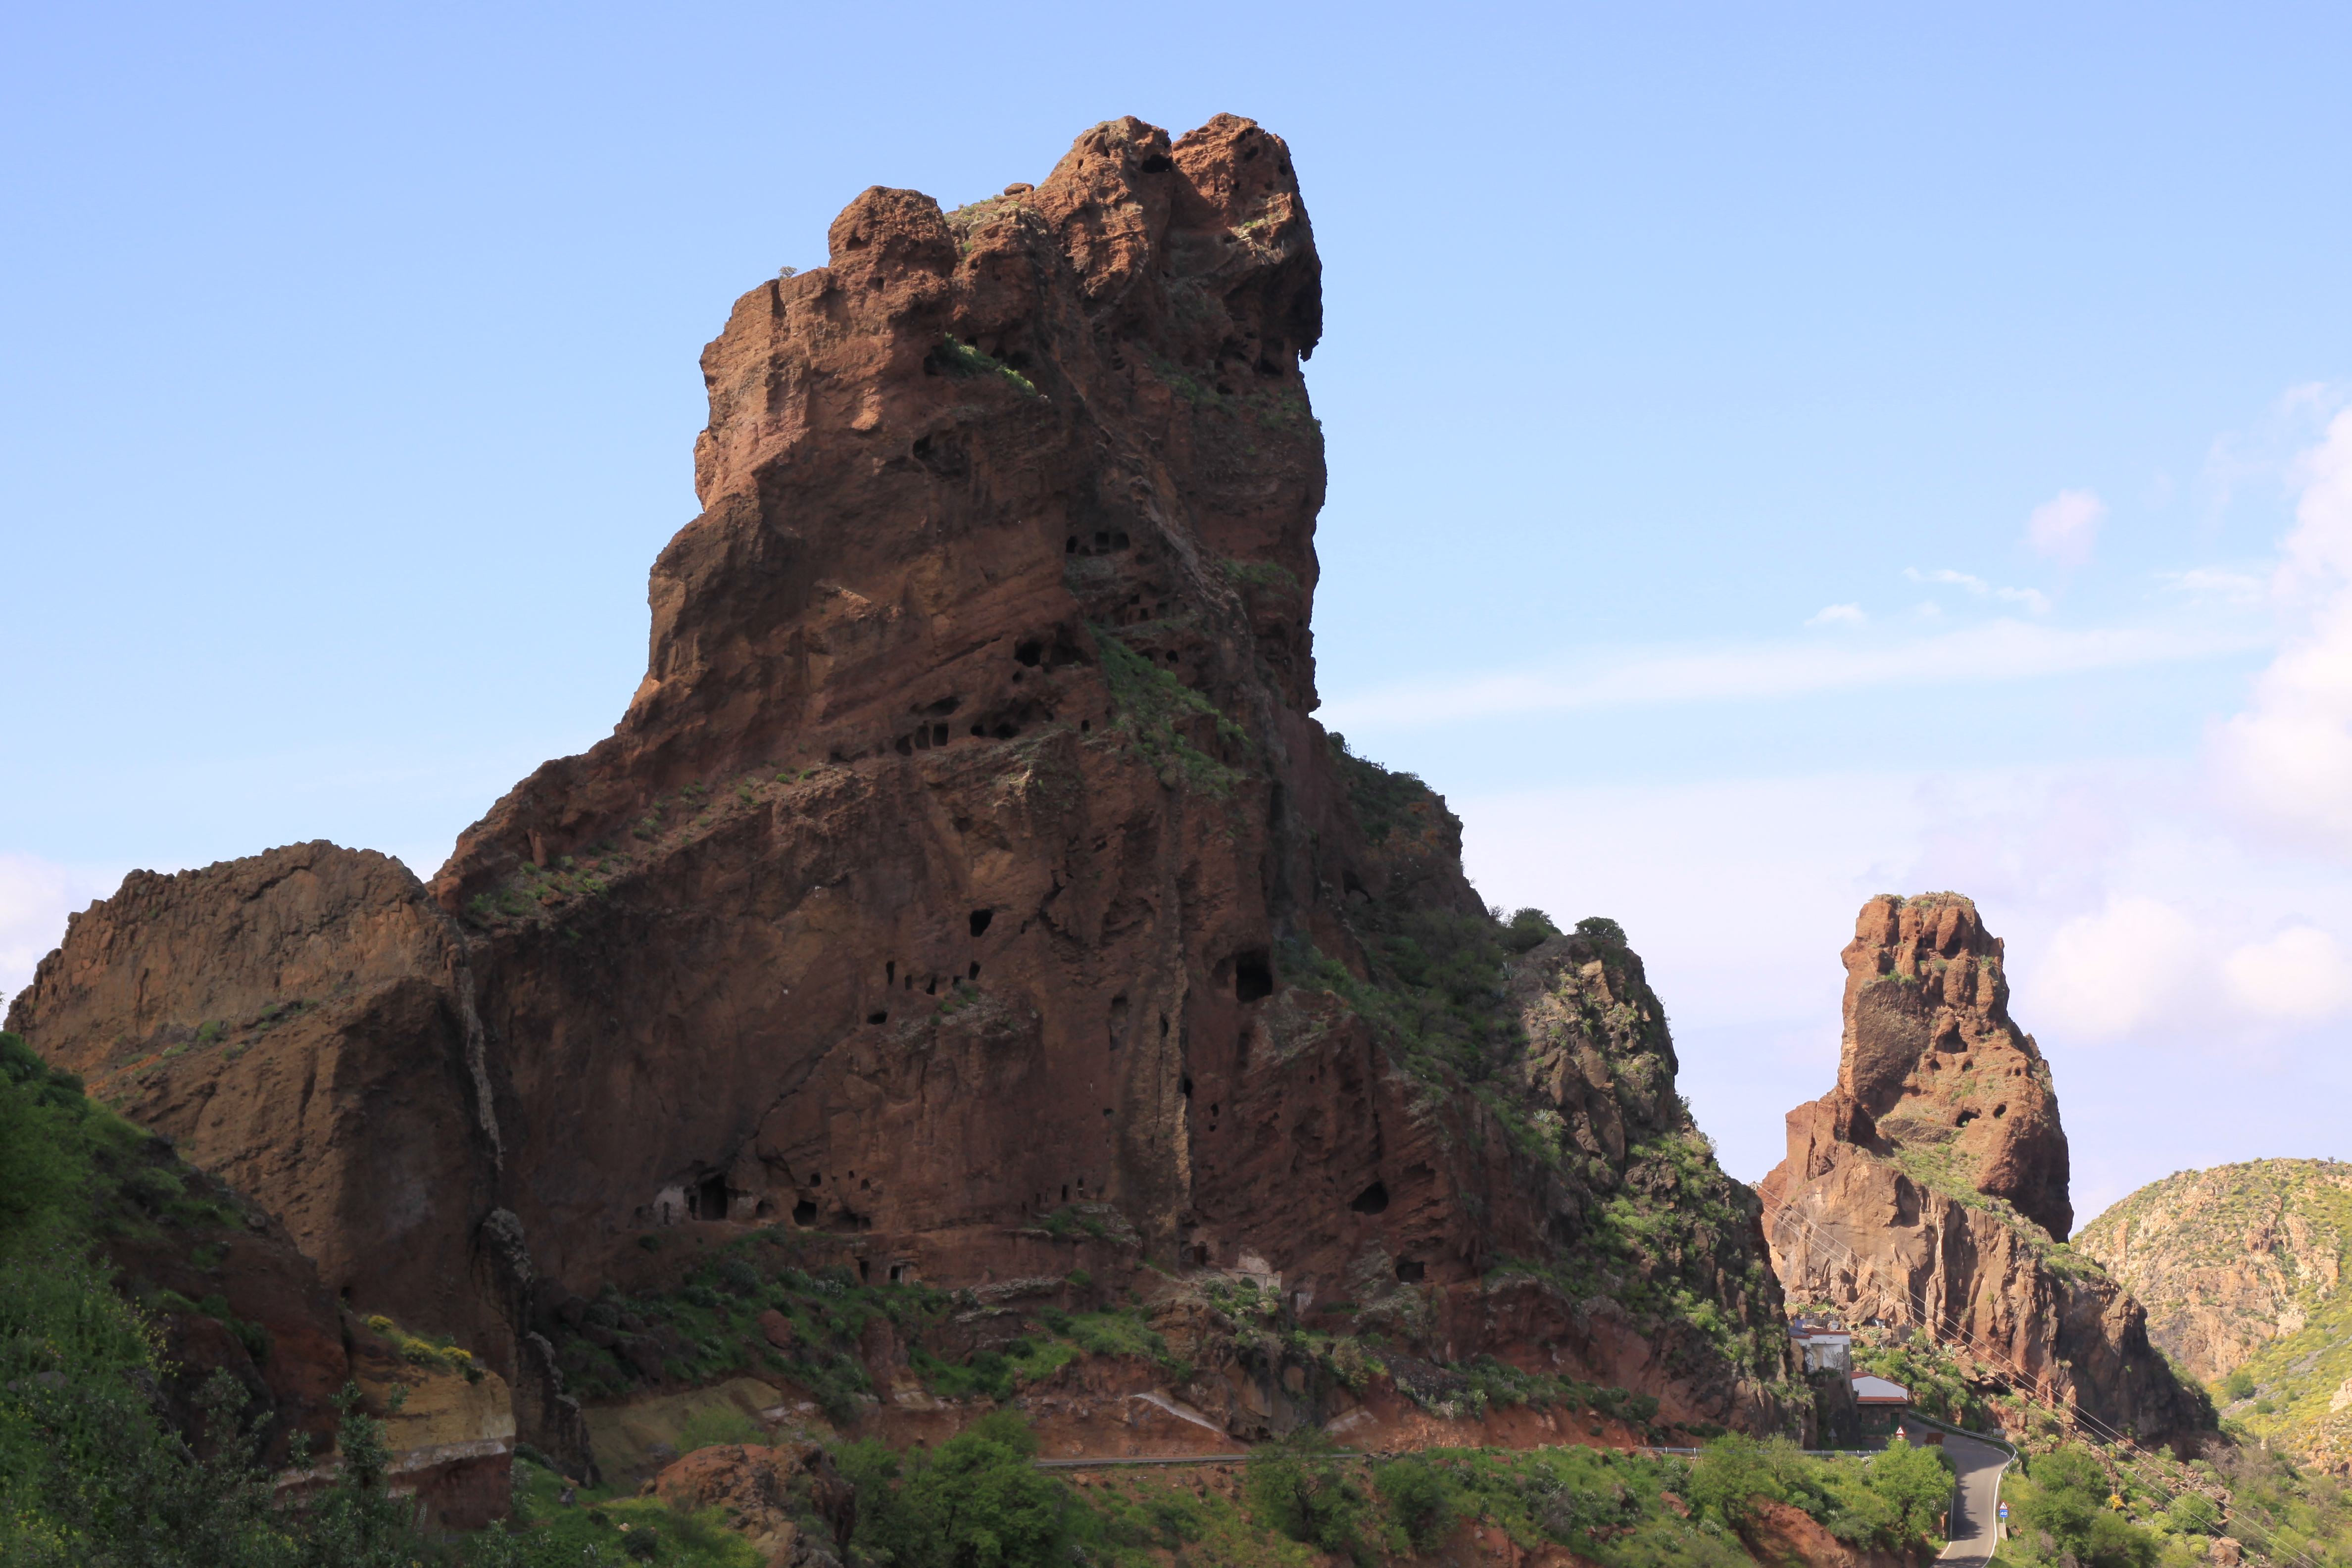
pixel 1777 454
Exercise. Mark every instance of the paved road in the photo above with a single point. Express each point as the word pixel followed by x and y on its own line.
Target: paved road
pixel 1976 1508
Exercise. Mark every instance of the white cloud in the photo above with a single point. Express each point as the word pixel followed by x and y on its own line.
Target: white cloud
pixel 2144 969
pixel 35 895
pixel 1837 615
pixel 2286 760
pixel 2300 975
pixel 2203 585
pixel 2032 598
pixel 2109 974
pixel 2065 527
pixel 1998 650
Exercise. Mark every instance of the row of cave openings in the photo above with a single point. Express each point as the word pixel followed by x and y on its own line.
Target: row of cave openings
pixel 709 1198
pixel 892 981
pixel 933 728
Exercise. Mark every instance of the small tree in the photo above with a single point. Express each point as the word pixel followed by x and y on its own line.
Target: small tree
pixel 1296 1483
pixel 1419 1500
pixel 1918 1482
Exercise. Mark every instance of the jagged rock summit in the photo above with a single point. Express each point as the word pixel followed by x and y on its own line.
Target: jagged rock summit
pixel 1929 1187
pixel 967 887
pixel 1932 1069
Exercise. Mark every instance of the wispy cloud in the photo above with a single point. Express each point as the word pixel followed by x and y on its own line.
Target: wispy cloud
pixel 2065 527
pixel 1837 615
pixel 2202 584
pixel 1999 650
pixel 2032 598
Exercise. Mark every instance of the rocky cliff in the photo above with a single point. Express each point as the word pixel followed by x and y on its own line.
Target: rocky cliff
pixel 2241 1268
pixel 966 875
pixel 1928 1187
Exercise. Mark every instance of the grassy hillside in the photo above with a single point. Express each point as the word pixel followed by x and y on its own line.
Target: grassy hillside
pixel 2241 1268
pixel 2228 1259
pixel 2296 1394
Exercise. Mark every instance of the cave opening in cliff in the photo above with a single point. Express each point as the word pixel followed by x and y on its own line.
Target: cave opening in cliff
pixel 710 1197
pixel 1407 1272
pixel 1030 653
pixel 1372 1199
pixel 1253 976
pixel 1964 1118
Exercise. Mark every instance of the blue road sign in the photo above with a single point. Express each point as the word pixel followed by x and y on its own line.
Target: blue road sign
pixel 2004 1512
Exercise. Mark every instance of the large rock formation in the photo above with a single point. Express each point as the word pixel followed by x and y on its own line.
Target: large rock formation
pixel 968 856
pixel 1929 1188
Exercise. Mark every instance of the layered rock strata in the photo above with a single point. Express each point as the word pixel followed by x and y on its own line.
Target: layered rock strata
pixel 1928 1187
pixel 968 856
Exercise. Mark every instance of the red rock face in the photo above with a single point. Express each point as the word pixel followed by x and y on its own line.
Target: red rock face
pixel 968 856
pixel 1933 1064
pixel 1941 1104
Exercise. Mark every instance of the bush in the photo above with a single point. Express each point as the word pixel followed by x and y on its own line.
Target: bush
pixel 2192 1513
pixel 1296 1484
pixel 1527 929
pixel 977 1500
pixel 2068 1502
pixel 1417 1500
pixel 1734 1473
pixel 2239 1385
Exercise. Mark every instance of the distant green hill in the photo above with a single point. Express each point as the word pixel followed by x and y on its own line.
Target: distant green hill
pixel 2241 1268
